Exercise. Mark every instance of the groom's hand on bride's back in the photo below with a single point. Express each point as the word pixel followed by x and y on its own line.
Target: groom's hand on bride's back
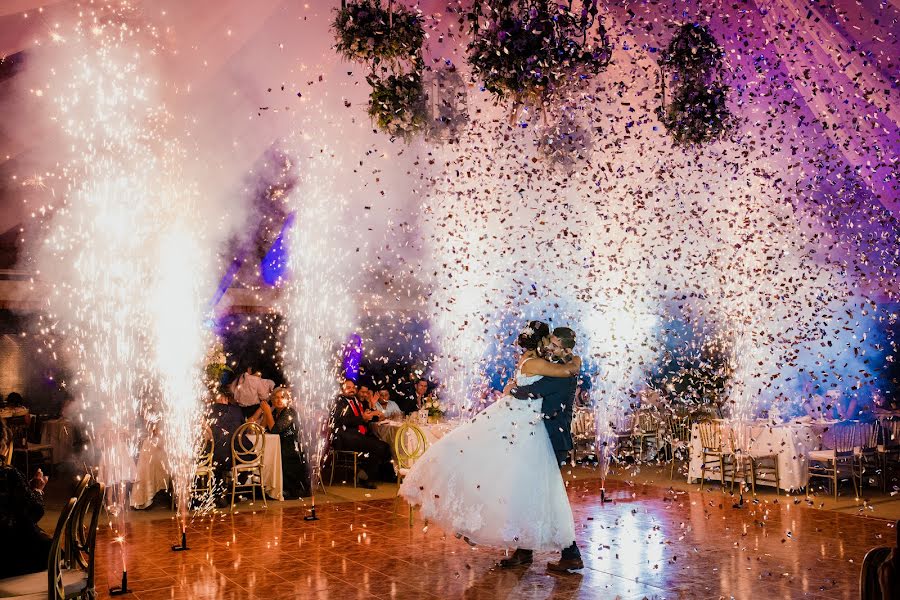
pixel 520 394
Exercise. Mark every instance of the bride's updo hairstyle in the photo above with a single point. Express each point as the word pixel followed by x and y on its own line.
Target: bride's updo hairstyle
pixel 530 337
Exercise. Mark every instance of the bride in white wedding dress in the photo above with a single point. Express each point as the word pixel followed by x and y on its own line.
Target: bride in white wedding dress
pixel 495 479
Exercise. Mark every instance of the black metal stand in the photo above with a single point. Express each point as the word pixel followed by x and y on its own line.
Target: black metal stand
pixel 119 591
pixel 603 497
pixel 312 513
pixel 183 545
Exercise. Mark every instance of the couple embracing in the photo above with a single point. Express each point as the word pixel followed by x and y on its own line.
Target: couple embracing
pixel 495 480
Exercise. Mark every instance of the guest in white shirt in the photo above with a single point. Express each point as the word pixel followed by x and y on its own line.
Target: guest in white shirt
pixel 250 389
pixel 388 407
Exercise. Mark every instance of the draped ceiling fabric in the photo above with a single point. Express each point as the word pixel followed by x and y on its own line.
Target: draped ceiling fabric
pixel 825 72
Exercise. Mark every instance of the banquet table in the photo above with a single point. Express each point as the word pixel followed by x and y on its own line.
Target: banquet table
pixel 151 475
pixel 387 430
pixel 790 442
pixel 58 434
pixel 272 478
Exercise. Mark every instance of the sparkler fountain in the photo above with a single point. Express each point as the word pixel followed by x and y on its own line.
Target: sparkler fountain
pixel 124 251
pixel 316 303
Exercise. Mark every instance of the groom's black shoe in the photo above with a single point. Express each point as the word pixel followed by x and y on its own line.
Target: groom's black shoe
pixel 519 558
pixel 564 565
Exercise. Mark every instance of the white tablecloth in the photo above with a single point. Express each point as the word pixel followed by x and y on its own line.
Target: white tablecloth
pixel 386 430
pixel 271 467
pixel 151 473
pixel 790 442
pixel 58 433
pixel 13 411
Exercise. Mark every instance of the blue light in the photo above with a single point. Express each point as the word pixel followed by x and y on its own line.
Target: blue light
pixel 352 357
pixel 274 263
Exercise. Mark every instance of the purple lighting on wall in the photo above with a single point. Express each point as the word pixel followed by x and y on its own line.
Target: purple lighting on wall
pixel 352 357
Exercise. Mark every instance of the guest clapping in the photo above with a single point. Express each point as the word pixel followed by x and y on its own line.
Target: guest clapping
pixel 25 547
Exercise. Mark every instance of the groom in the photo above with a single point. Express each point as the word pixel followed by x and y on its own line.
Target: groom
pixel 558 396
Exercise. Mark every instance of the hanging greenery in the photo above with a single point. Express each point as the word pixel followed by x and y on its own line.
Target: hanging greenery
pixel 532 49
pixel 697 114
pixel 366 31
pixel 697 111
pixel 397 104
pixel 693 52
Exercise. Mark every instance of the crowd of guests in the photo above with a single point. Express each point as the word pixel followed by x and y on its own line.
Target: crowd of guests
pixel 251 398
pixel 358 407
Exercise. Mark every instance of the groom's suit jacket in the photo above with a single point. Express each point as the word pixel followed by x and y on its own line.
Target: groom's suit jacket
pixel 558 395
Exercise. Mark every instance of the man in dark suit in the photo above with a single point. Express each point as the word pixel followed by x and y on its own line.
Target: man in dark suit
pixel 558 399
pixel 351 430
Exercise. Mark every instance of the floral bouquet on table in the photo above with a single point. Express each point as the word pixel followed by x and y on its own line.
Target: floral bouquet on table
pixel 433 406
pixel 216 366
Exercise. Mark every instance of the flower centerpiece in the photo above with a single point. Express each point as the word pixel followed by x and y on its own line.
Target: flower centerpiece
pixel 532 49
pixel 697 112
pixel 216 366
pixel 433 406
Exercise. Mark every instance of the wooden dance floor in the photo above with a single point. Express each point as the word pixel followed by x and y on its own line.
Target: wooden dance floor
pixel 649 543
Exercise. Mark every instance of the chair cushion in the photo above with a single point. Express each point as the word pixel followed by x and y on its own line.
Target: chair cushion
pixel 822 455
pixel 74 582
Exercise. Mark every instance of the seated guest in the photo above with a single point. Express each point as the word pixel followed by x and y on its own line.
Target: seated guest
pixel 224 419
pixel 25 547
pixel 249 390
pixel 388 407
pixel 282 421
pixel 416 401
pixel 351 431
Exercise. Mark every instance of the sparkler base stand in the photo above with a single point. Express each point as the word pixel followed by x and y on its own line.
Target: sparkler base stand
pixel 183 545
pixel 603 497
pixel 119 591
pixel 312 514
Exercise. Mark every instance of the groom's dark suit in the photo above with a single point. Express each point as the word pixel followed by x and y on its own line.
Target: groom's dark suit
pixel 558 395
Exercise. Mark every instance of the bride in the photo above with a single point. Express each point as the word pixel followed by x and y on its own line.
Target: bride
pixel 495 479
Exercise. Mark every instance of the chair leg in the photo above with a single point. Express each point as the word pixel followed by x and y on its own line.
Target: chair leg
pixel 354 469
pixel 233 482
pixel 331 479
pixel 777 477
pixel 262 491
pixel 722 470
pixel 702 469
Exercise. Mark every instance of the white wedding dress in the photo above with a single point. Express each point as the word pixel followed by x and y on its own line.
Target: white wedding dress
pixel 495 480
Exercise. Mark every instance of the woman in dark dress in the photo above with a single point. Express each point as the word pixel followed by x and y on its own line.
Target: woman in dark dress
pixel 293 464
pixel 25 547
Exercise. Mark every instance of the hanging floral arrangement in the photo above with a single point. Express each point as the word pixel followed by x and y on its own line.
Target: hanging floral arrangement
pixel 366 31
pixel 697 110
pixel 389 39
pixel 533 49
pixel 397 104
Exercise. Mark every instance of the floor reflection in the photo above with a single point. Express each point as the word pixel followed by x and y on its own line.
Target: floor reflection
pixel 648 543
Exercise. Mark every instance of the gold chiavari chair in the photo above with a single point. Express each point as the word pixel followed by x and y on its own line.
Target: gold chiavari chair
pixel 679 440
pixel 839 451
pixel 203 468
pixel 248 445
pixel 867 453
pixel 646 430
pixel 713 450
pixel 889 450
pixel 583 433
pixel 53 583
pixel 409 445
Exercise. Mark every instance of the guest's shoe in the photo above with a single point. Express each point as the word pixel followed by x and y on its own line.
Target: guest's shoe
pixel 520 558
pixel 564 565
